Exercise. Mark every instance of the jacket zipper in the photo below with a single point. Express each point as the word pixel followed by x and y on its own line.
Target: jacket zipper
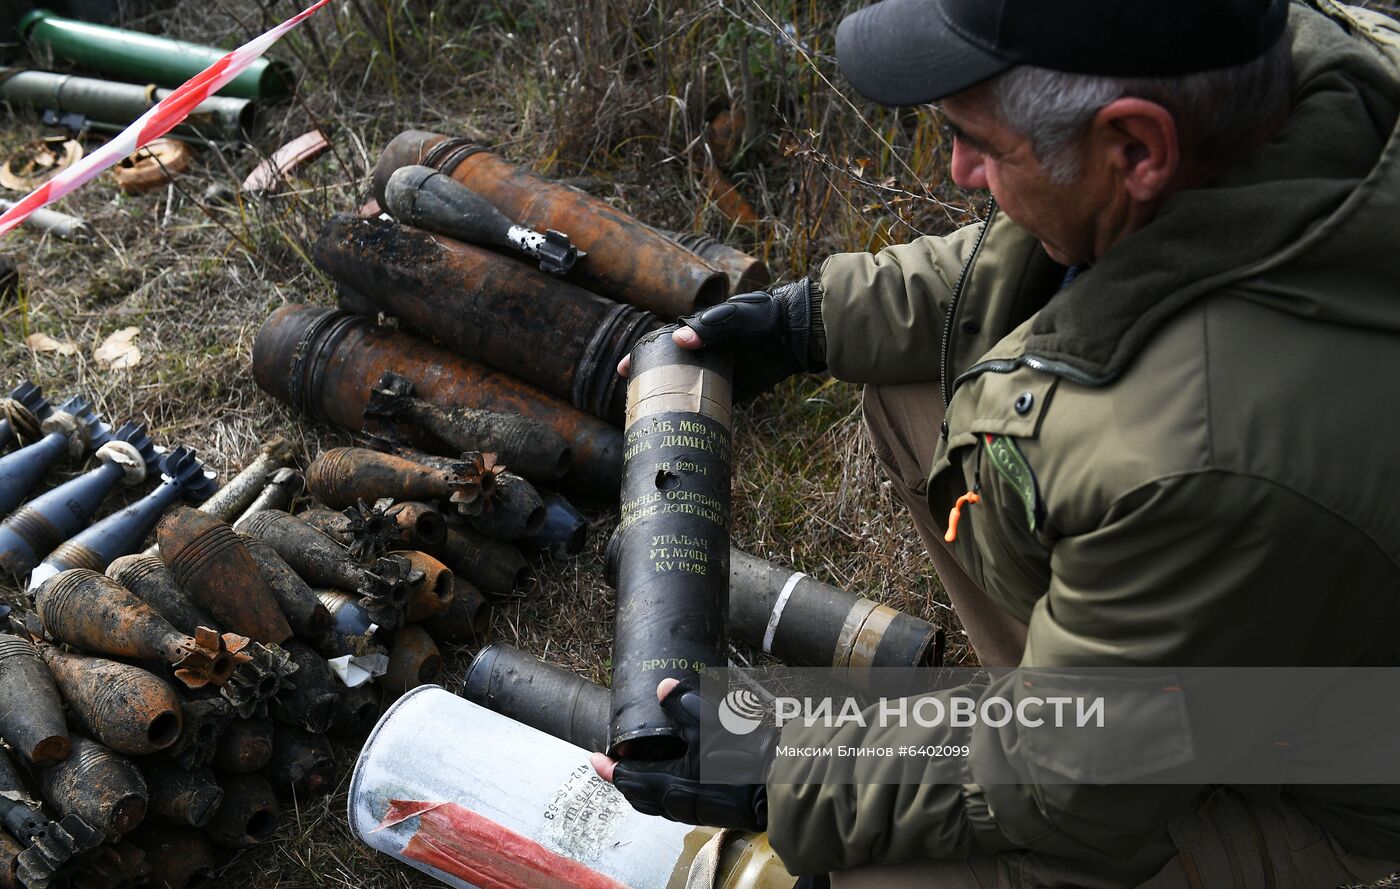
pixel 1044 365
pixel 953 303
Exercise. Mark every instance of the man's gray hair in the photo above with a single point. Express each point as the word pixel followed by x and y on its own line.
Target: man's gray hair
pixel 1216 111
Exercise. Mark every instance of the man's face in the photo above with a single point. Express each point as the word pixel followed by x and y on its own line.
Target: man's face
pixel 1067 219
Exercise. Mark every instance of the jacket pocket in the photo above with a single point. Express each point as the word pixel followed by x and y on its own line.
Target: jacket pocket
pixel 1136 727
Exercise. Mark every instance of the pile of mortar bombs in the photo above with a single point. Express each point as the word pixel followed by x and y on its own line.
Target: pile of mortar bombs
pixel 155 706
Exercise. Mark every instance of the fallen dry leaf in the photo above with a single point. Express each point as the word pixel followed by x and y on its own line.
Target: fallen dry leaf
pixel 42 342
pixel 118 351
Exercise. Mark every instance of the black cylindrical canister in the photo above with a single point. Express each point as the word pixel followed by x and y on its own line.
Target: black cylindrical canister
pixel 669 559
pixel 539 694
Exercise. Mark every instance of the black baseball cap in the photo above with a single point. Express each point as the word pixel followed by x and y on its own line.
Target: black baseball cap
pixel 910 52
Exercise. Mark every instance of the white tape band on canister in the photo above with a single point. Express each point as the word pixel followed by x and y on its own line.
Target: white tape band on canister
pixel 778 607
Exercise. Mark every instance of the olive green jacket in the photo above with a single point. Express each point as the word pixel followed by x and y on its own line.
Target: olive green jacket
pixel 1188 456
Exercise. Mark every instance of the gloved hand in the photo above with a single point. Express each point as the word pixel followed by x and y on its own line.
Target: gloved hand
pixel 672 788
pixel 771 333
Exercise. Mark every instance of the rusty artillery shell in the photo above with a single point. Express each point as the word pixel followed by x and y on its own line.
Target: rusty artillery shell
pixel 483 305
pixel 414 660
pixel 205 721
pixel 745 273
pixel 229 502
pixel 356 712
pixel 808 623
pixel 432 594
pixel 279 493
pixel 87 609
pixel 539 694
pixel 419 523
pixel 515 512
pixel 31 711
pixel 127 708
pixel 493 566
pixel 465 620
pixel 626 260
pixel 187 797
pixel 343 477
pixel 249 814
pixel 149 579
pixel 326 362
pixel 382 587
pixel 34 851
pixel 179 857
pixel 669 558
pixel 209 561
pixel 244 747
pixel 304 612
pixel 528 446
pixel 310 703
pixel 302 762
pixel 102 787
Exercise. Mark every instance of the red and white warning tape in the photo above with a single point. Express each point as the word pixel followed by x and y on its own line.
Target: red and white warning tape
pixel 163 117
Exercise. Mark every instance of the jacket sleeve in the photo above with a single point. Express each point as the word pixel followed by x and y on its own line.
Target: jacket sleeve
pixel 1206 569
pixel 883 312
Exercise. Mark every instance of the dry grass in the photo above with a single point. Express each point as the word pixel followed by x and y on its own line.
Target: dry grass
pixel 613 94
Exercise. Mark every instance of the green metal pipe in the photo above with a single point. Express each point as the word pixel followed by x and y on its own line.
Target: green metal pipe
pixel 133 55
pixel 113 106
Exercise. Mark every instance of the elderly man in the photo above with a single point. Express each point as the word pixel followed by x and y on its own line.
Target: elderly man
pixel 1148 403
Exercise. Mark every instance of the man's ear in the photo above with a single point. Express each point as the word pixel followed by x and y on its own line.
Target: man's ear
pixel 1139 140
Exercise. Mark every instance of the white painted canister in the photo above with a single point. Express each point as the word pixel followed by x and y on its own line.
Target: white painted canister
pixel 532 802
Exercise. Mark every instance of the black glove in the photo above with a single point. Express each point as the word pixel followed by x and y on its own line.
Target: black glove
pixel 772 330
pixel 672 789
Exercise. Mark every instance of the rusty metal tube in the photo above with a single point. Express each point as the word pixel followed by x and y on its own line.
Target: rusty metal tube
pixel 745 273
pixel 431 593
pixel 465 620
pixel 669 559
pixel 87 609
pixel 627 260
pixel 125 707
pixel 493 566
pixel 101 787
pixel 279 493
pixel 326 363
pixel 525 445
pixel 484 306
pixel 540 694
pixel 807 623
pixel 31 711
pixel 209 562
pixel 304 612
pixel 414 660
